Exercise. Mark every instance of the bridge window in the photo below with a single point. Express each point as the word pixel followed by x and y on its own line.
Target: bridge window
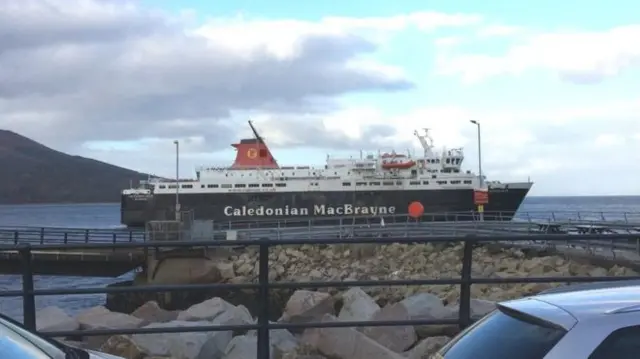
pixel 425 182
pixel 173 186
pixel 467 182
pixel 346 184
pixel 241 185
pixel 254 185
pixel 267 185
pixel 281 185
pixel 399 183
pixel 212 186
pixel 187 186
pixel 413 183
pixel 163 186
pixel 361 183
pixel 387 183
pixel 225 185
pixel 374 183
pixel 441 182
pixel 455 182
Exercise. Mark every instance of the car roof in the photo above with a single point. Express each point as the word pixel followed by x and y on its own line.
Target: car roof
pixel 583 304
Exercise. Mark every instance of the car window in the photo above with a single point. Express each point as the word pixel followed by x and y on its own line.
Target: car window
pixel 504 335
pixel 14 346
pixel 8 327
pixel 621 344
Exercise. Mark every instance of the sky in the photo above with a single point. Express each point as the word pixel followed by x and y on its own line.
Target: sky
pixel 555 86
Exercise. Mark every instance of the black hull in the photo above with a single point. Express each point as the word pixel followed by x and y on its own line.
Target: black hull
pixel 322 207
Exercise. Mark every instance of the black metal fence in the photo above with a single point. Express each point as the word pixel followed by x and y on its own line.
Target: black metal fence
pixel 263 285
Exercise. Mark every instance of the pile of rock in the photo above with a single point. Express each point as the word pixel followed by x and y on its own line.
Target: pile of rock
pixel 318 263
pixel 349 262
pixel 303 307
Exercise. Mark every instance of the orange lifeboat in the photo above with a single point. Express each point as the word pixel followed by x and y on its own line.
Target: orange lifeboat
pixel 402 165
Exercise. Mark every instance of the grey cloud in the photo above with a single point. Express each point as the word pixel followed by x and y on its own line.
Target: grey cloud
pixel 311 132
pixel 109 71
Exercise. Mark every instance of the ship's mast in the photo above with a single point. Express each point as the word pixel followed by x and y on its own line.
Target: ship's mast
pixel 425 141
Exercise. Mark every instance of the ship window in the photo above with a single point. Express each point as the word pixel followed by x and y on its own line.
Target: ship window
pixel 225 185
pixel 448 160
pixel 374 183
pixel 455 182
pixel 414 182
pixel 346 183
pixel 201 186
pixel 361 183
pixel 212 186
pixel 241 185
pixel 399 183
pixel 267 185
pixel 172 186
pixel 434 176
pixel 467 182
pixel 442 182
pixel 163 186
pixel 281 185
pixel 254 185
pixel 425 182
pixel 387 183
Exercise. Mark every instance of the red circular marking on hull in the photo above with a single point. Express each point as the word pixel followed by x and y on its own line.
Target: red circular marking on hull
pixel 416 210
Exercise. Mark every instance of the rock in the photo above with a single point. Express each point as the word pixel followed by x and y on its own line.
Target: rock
pixel 184 271
pixel 152 313
pixel 206 310
pixel 54 319
pixel 346 343
pixel 357 305
pixel 242 347
pixel 427 347
pixel 187 345
pixel 397 338
pixel 123 346
pixel 307 306
pixel 102 318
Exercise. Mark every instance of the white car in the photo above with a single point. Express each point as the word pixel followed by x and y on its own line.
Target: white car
pixel 592 321
pixel 16 342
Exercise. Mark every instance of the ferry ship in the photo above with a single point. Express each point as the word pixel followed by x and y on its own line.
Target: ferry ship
pixel 378 186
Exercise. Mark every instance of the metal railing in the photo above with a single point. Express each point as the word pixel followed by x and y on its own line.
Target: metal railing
pixel 43 235
pixel 264 285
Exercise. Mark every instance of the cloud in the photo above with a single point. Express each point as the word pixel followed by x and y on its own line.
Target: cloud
pixel 580 57
pixel 74 71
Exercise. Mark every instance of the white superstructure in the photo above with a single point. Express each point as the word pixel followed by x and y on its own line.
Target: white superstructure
pixel 381 171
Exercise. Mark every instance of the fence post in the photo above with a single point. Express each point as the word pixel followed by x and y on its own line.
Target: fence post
pixel 465 286
pixel 28 298
pixel 264 346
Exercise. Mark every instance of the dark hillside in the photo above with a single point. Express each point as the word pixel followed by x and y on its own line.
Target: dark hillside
pixel 33 173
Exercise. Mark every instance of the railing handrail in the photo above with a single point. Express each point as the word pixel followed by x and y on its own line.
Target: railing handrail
pixel 263 285
pixel 529 215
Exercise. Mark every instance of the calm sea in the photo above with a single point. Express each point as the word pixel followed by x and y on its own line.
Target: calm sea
pixel 108 216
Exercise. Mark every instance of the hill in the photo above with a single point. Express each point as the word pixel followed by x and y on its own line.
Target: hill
pixel 33 173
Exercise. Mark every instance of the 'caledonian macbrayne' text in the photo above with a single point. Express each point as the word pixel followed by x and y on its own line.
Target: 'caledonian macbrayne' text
pixel 317 210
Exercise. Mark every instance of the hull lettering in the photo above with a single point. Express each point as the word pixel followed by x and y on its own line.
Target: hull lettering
pixel 317 210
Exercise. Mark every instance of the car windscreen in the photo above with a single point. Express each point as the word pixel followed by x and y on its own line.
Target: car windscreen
pixel 504 335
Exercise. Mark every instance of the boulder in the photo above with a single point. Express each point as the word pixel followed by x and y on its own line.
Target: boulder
pixel 54 319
